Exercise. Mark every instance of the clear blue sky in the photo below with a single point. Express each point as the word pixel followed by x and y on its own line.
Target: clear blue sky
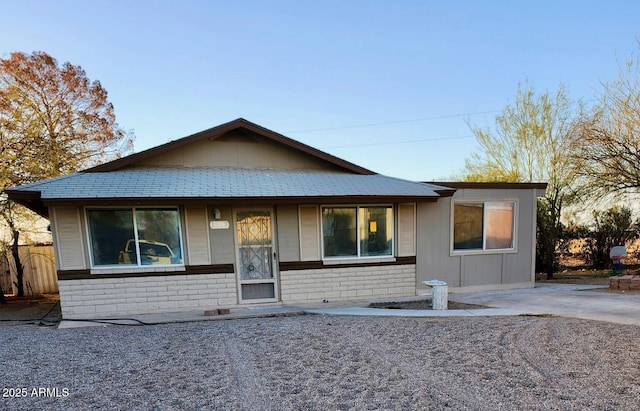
pixel 388 85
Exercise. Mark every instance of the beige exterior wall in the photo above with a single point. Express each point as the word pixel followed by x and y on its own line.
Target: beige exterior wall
pixel 406 230
pixel 435 259
pixel 287 232
pixel 221 240
pixel 347 283
pixel 309 226
pixel 236 150
pixel 422 229
pixel 105 296
pixel 108 297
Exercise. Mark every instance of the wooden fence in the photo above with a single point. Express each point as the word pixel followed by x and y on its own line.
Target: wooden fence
pixel 40 275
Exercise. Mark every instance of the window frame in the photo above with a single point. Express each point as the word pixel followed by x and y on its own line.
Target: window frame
pixel 484 249
pixel 137 266
pixel 358 240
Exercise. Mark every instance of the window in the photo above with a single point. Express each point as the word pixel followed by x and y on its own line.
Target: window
pixel 483 225
pixel 357 231
pixel 134 236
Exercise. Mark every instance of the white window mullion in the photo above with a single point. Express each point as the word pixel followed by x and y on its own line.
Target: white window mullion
pixel 484 226
pixel 135 237
pixel 358 231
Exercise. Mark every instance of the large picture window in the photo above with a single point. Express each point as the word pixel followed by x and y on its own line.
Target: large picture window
pixel 134 236
pixel 357 231
pixel 484 225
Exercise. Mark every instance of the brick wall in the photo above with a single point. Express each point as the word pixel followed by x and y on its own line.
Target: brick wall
pixel 629 282
pixel 352 283
pixel 108 297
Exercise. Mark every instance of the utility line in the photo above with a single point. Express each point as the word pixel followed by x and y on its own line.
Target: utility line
pixel 399 142
pixel 393 122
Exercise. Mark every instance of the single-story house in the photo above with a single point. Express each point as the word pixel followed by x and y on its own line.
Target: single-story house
pixel 239 214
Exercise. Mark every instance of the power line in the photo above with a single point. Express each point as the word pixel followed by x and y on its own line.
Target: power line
pixel 399 142
pixel 394 122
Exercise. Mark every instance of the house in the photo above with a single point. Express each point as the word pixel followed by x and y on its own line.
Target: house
pixel 238 215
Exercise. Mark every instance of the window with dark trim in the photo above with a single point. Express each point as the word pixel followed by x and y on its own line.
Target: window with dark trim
pixel 484 226
pixel 357 231
pixel 134 236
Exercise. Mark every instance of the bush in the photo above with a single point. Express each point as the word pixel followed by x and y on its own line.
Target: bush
pixel 610 228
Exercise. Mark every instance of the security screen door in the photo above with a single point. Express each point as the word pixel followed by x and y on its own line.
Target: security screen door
pixel 256 257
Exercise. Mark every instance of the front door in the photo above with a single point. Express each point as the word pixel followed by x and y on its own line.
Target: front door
pixel 255 256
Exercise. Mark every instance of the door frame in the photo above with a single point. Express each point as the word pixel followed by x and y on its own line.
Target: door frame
pixel 274 261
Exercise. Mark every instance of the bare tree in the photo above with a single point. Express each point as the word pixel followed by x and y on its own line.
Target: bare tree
pixel 529 143
pixel 606 150
pixel 53 121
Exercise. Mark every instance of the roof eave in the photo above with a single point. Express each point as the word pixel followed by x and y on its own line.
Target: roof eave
pixel 30 199
pixel 277 200
pixel 489 185
pixel 446 192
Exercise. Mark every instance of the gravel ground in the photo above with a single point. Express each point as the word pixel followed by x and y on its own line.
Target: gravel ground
pixel 326 363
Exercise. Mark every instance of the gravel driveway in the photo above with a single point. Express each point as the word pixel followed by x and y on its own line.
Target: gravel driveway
pixel 318 362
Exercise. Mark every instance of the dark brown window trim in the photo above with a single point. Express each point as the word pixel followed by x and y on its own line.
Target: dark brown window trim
pixel 315 265
pixel 189 270
pixel 228 269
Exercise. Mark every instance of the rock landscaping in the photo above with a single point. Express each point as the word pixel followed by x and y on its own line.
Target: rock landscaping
pixel 317 362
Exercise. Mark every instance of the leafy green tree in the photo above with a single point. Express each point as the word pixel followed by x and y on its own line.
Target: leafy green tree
pixel 529 143
pixel 53 121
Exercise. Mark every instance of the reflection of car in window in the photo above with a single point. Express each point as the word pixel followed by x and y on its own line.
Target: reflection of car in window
pixel 151 252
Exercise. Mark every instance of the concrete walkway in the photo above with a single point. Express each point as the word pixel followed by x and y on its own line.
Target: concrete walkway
pixel 381 312
pixel 569 300
pixel 358 308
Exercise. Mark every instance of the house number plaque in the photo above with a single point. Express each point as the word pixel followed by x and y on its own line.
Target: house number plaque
pixel 219 225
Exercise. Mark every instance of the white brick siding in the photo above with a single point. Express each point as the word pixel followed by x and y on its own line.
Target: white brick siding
pixel 350 283
pixel 112 297
pixel 108 297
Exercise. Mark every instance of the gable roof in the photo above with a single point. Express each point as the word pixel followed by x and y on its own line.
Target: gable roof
pixel 119 183
pixel 241 125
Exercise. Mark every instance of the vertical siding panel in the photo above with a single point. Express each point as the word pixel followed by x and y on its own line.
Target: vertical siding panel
pixel 69 238
pixel 222 242
pixel 406 230
pixel 288 233
pixel 197 235
pixel 309 233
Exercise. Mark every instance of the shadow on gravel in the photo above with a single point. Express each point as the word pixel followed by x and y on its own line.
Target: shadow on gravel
pixel 37 309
